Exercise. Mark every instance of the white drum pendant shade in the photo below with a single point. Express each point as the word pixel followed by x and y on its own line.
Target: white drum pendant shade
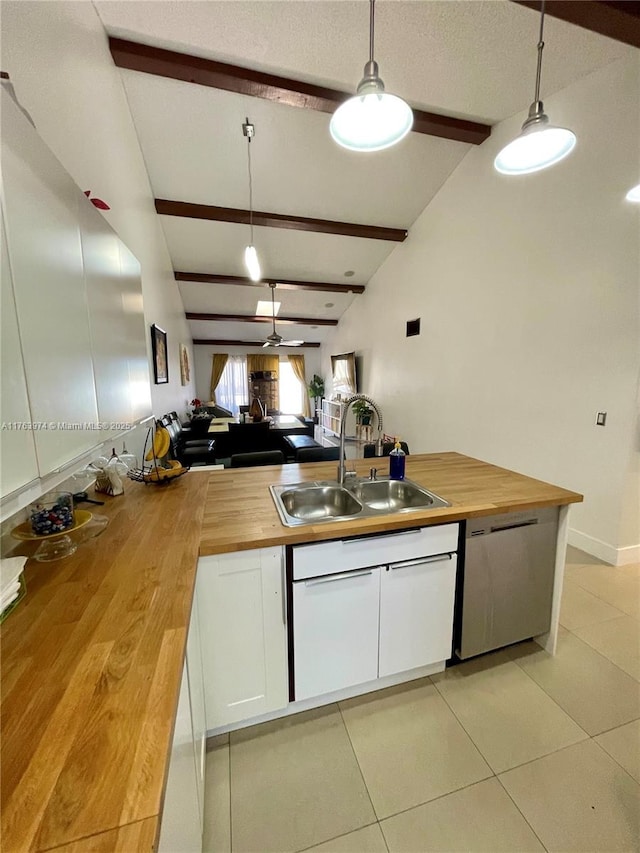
pixel 371 122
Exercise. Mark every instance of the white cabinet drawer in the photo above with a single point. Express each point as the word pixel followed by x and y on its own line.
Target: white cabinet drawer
pixel 342 555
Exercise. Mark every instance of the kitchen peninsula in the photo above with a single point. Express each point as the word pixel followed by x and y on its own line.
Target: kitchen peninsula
pixel 93 657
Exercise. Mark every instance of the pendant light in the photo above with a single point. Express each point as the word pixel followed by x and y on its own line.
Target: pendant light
pixel 540 144
pixel 251 261
pixel 372 119
pixel 634 194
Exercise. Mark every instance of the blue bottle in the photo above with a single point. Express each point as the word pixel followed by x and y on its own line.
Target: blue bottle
pixel 396 462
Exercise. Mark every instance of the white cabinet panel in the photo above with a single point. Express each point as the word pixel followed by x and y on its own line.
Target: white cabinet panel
pixel 196 697
pixel 416 613
pixel 41 209
pixel 135 335
pixel 243 632
pixel 180 829
pixel 341 555
pixel 17 448
pixel 335 631
pixel 101 254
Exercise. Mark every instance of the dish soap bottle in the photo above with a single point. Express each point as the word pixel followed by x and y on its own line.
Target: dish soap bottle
pixel 396 462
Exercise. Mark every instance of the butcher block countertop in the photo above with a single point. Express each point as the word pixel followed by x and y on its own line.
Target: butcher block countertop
pixel 92 658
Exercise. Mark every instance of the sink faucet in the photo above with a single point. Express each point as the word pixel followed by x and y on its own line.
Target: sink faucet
pixel 343 429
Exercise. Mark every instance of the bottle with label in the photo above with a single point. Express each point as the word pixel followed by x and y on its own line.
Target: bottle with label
pixel 257 410
pixel 396 462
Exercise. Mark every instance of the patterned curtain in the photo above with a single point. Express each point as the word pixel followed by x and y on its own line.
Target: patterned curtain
pixel 297 364
pixel 217 366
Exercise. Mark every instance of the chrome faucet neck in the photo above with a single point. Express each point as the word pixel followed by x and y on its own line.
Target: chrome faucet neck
pixel 343 428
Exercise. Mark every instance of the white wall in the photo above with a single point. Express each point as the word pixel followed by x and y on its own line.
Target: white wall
pixel 58 59
pixel 528 292
pixel 203 356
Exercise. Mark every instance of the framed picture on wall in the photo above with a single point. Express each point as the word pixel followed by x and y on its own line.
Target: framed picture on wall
pixel 185 370
pixel 159 350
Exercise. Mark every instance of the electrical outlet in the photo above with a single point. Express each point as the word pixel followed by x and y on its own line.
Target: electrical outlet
pixel 601 419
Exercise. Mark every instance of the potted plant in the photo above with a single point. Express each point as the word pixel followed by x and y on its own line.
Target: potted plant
pixel 316 391
pixel 362 412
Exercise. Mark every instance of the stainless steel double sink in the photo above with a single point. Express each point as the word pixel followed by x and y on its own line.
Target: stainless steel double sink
pixel 327 500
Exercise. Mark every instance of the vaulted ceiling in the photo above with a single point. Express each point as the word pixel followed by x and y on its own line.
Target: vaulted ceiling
pixel 466 59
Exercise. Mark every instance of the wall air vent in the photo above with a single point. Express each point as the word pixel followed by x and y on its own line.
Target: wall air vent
pixel 413 327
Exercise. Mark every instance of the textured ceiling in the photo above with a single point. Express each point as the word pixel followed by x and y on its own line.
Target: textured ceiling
pixel 469 58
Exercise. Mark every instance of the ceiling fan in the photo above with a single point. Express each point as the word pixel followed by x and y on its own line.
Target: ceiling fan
pixel 274 339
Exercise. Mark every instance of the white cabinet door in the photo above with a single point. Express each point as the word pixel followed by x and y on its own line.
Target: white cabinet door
pixel 180 829
pixel 41 209
pixel 17 448
pixel 416 613
pixel 136 335
pixel 101 254
pixel 196 700
pixel 242 627
pixel 335 625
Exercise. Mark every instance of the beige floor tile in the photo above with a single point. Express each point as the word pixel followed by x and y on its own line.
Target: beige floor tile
pixel 367 840
pixel 623 744
pixel 578 799
pixel 581 607
pixel 617 586
pixel 618 640
pixel 410 747
pixel 576 556
pixel 591 689
pixel 481 817
pixel 217 802
pixel 294 783
pixel 509 718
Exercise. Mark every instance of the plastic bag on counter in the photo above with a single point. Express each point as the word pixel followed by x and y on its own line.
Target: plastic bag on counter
pixel 109 473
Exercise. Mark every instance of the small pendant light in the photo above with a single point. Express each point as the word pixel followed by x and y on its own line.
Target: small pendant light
pixel 634 194
pixel 251 261
pixel 540 144
pixel 372 119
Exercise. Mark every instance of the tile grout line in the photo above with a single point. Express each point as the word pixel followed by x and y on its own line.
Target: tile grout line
pixel 507 769
pixel 501 783
pixel 335 837
pixel 608 754
pixel 355 755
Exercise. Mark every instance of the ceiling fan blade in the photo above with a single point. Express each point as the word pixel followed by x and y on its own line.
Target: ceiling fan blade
pixel 266 344
pixel 292 343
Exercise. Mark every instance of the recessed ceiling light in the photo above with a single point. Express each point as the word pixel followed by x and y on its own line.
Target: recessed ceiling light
pixel 349 273
pixel 329 304
pixel 264 309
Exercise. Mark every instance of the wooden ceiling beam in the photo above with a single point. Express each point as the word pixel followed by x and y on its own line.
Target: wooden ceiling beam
pixel 216 342
pixel 280 283
pixel 244 318
pixel 294 93
pixel 617 20
pixel 278 220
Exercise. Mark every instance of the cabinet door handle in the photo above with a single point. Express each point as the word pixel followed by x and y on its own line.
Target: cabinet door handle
pixel 283 592
pixel 358 540
pixel 332 578
pixel 435 559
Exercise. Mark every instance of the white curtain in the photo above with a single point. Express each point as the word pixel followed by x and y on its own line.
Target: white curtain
pixel 232 390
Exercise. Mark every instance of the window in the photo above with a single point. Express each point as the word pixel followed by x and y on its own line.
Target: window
pixel 290 390
pixel 232 389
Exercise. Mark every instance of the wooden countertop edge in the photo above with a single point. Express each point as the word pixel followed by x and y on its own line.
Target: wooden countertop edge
pixel 321 532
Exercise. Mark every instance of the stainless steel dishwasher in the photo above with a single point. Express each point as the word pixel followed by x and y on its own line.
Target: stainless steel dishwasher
pixel 507 584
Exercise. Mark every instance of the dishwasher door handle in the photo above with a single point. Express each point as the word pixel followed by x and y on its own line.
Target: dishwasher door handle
pixel 342 577
pixel 436 558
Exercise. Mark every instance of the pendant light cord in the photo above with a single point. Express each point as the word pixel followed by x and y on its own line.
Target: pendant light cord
pixel 540 49
pixel 250 188
pixel 372 4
